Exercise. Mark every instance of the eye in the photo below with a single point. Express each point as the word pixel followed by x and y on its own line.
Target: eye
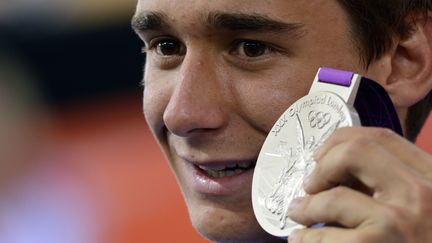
pixel 252 49
pixel 167 47
pixel 164 52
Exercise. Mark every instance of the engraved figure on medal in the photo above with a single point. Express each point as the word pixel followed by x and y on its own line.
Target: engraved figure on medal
pixel 286 158
pixel 299 165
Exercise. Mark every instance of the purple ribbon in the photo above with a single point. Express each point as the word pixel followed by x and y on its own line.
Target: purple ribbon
pixel 335 76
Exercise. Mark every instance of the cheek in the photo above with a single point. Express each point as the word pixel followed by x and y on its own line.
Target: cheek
pixel 263 99
pixel 155 100
pixel 264 110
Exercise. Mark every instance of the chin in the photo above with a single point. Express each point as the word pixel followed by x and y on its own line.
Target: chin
pixel 220 224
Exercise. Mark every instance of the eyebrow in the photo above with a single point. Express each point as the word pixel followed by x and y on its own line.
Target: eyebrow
pixel 154 21
pixel 147 21
pixel 255 22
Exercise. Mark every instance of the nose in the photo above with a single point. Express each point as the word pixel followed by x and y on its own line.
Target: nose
pixel 197 101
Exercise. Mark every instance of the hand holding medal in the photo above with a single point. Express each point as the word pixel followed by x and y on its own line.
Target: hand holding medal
pixel 290 189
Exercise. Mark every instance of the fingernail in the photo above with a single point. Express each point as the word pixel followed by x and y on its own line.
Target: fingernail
pixel 307 180
pixel 318 153
pixel 294 205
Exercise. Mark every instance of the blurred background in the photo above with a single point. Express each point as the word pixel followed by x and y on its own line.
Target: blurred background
pixel 77 162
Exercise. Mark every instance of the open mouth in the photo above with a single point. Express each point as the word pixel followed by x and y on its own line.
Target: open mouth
pixel 221 177
pixel 222 171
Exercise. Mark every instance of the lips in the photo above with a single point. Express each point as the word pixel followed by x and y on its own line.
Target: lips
pixel 220 177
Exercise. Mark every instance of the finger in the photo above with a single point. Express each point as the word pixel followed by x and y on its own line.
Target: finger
pixel 331 206
pixel 325 235
pixel 366 161
pixel 400 147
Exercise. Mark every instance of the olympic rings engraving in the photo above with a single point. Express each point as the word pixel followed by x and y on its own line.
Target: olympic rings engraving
pixel 319 119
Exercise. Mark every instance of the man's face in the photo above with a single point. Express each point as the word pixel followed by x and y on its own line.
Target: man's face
pixel 218 75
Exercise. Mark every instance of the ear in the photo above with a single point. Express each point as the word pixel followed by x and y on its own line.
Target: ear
pixel 410 78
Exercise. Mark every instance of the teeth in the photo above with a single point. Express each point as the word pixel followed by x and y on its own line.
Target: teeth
pixel 222 173
pixel 202 167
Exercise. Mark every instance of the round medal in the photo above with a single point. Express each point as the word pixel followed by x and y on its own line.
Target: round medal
pixel 286 157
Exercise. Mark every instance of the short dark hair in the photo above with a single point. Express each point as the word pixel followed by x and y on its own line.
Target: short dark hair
pixel 374 24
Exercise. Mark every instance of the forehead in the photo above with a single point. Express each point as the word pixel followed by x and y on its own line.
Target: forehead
pixel 194 12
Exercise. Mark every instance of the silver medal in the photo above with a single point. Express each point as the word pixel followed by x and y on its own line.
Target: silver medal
pixel 286 157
